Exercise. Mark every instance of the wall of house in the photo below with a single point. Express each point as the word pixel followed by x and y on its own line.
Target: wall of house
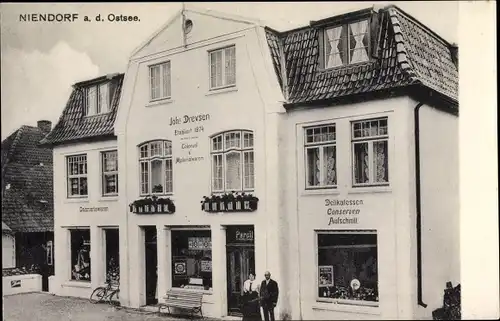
pixel 8 251
pixel 440 205
pixel 253 104
pixel 94 212
pixel 384 209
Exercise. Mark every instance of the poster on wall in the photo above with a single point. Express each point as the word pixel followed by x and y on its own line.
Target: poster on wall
pixel 206 266
pixel 325 275
pixel 180 268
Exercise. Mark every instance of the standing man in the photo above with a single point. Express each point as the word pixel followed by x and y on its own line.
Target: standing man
pixel 268 296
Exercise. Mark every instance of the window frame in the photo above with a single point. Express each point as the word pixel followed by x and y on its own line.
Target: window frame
pixel 345 302
pixel 345 24
pixel 98 110
pixel 321 147
pixel 224 151
pixel 370 140
pixel 70 248
pixel 164 158
pixel 224 83
pixel 71 176
pixel 162 94
pixel 105 173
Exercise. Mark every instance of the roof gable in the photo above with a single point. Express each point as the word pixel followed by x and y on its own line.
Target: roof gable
pixel 207 24
pixel 74 126
pixel 397 46
pixel 27 193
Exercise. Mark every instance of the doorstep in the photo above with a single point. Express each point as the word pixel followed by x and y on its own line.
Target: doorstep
pixel 230 317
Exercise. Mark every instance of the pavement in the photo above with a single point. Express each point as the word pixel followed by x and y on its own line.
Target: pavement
pixel 48 307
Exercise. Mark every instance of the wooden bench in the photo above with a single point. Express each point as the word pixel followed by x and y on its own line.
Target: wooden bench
pixel 186 300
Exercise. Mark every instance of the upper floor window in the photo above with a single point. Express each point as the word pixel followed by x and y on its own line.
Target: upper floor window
pixel 109 167
pixel 232 162
pixel 222 67
pixel 156 171
pixel 160 81
pixel 370 152
pixel 97 100
pixel 77 175
pixel 346 44
pixel 321 156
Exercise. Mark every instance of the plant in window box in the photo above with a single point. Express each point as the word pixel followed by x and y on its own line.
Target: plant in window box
pixel 154 204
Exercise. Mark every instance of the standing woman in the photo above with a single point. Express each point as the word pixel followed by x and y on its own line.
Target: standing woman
pixel 251 308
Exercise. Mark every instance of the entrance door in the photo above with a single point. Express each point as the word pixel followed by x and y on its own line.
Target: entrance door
pixel 151 264
pixel 240 258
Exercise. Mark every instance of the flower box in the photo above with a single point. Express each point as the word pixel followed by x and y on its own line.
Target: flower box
pixel 153 205
pixel 229 202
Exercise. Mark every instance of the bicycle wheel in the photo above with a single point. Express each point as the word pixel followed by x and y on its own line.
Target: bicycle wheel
pixel 114 297
pixel 98 295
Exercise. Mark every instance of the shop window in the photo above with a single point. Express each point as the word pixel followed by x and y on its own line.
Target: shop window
pixel 346 44
pixel 156 169
pixel 222 67
pixel 233 162
pixel 321 156
pixel 109 167
pixel 112 254
pixel 80 255
pixel 77 175
pixel 347 267
pixel 160 81
pixel 192 259
pixel 370 140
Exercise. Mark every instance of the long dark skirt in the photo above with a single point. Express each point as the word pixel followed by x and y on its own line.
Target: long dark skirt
pixel 251 308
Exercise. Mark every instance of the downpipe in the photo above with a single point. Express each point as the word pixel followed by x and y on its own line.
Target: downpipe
pixel 418 205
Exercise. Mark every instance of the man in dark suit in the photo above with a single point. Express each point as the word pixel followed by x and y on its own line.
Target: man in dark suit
pixel 268 296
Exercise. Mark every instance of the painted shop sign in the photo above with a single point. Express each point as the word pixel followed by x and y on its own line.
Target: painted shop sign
pixel 94 209
pixel 186 133
pixel 343 211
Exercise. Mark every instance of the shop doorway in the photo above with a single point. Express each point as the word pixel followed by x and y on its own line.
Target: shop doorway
pixel 240 258
pixel 151 265
pixel 112 237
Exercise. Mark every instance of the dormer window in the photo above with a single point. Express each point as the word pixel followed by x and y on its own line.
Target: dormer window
pixel 97 99
pixel 346 44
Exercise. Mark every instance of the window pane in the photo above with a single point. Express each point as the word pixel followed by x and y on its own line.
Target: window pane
pixel 111 184
pixel 144 177
pixel 168 176
pixel 166 79
pixel 249 170
pixel 346 259
pixel 168 148
pixel 192 259
pixel 313 174
pixel 145 151
pixel 217 143
pixel 216 69
pixel 232 140
pixel 80 255
pixel 358 44
pixel 155 82
pixel 73 186
pixel 380 161
pixel 157 176
pixel 83 186
pixel 217 171
pixel 233 171
pixel 102 106
pixel 156 149
pixel 110 161
pixel 361 169
pixel 230 66
pixel 247 140
pixel 321 134
pixel 335 47
pixel 92 100
pixel 329 165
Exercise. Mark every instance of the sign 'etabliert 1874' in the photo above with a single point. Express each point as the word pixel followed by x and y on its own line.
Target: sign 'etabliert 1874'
pixel 186 134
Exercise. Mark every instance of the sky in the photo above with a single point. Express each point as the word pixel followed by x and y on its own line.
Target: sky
pixel 40 61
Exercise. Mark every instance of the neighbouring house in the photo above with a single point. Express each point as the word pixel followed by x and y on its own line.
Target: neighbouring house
pixel 87 222
pixel 27 201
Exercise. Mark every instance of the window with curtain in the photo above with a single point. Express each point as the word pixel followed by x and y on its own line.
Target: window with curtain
pixel 97 100
pixel 346 44
pixel 160 81
pixel 348 267
pixel 321 156
pixel 156 168
pixel 232 161
pixel 370 140
pixel 109 167
pixel 222 67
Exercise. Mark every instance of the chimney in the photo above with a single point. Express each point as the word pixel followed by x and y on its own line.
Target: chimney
pixel 454 54
pixel 45 126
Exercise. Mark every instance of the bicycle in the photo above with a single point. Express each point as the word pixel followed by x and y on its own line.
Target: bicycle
pixel 108 293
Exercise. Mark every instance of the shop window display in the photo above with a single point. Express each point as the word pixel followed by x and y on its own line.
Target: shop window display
pixel 192 259
pixel 347 267
pixel 80 255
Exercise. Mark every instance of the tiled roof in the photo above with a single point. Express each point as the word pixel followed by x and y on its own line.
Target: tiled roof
pixel 27 192
pixel 74 126
pixel 404 53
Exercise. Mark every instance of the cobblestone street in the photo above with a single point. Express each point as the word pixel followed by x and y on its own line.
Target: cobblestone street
pixel 47 307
